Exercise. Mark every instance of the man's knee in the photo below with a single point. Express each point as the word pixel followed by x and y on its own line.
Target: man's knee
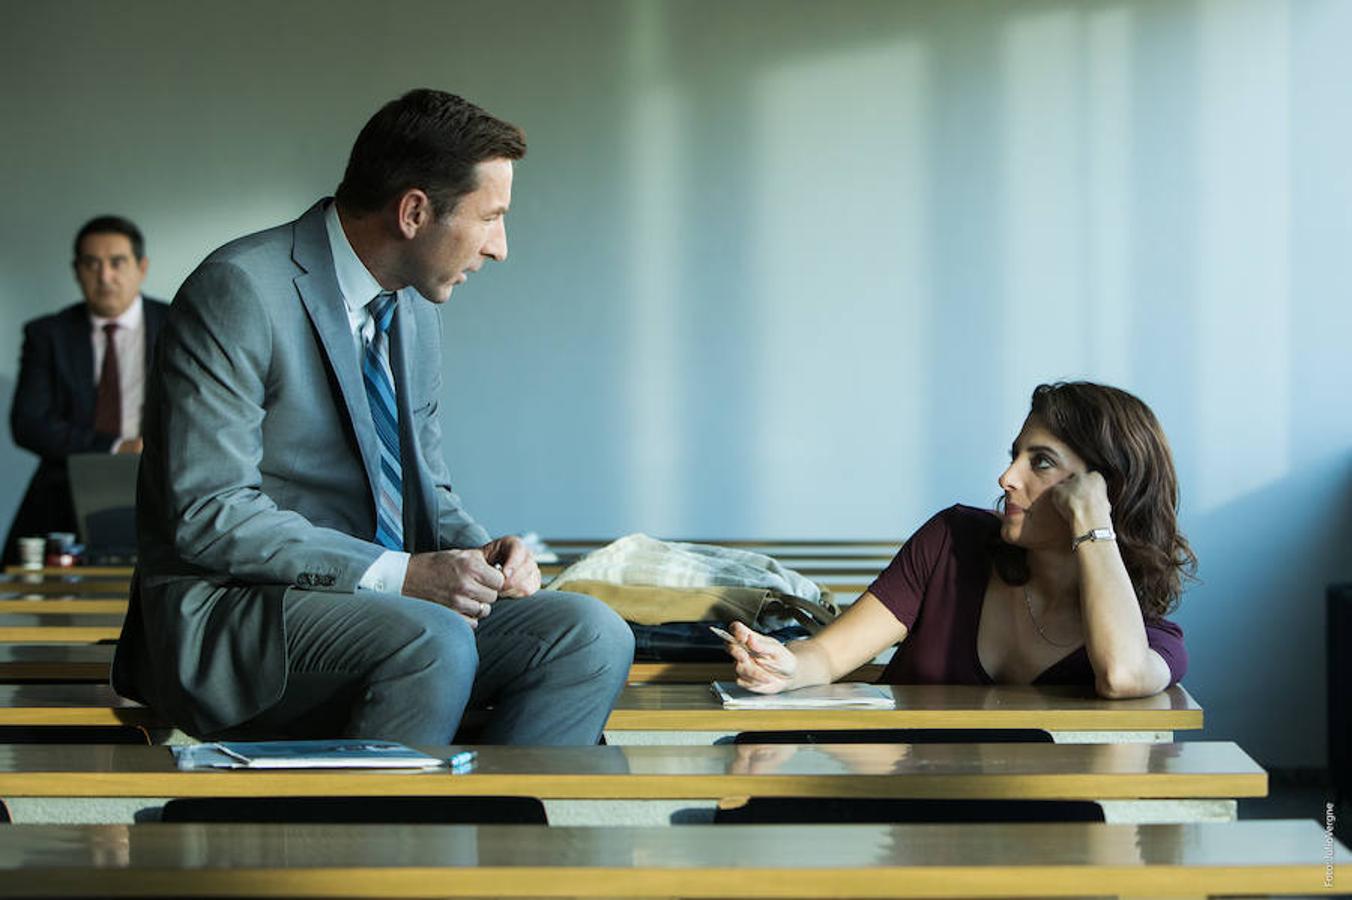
pixel 607 637
pixel 441 645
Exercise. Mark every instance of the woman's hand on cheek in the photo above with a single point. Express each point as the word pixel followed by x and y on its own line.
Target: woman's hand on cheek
pixel 1082 500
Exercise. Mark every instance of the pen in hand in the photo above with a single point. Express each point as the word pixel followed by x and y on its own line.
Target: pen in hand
pixel 727 636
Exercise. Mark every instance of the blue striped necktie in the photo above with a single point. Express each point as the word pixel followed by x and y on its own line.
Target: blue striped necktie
pixel 380 393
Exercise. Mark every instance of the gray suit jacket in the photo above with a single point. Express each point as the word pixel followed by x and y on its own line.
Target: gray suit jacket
pixel 258 471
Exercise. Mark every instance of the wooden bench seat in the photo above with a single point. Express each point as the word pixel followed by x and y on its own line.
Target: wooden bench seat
pixel 150 860
pixel 678 709
pixel 864 555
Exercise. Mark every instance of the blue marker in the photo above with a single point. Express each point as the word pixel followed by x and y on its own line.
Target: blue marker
pixel 463 761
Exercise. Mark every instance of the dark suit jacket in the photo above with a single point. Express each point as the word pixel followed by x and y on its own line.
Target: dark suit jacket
pixel 258 472
pixel 53 412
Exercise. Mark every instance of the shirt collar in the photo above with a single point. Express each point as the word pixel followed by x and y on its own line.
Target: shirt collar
pixel 130 319
pixel 358 286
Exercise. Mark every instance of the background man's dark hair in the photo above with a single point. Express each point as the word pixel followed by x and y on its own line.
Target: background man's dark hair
pixel 429 140
pixel 112 225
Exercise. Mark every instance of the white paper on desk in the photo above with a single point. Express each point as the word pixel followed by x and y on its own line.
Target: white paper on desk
pixel 333 754
pixel 826 696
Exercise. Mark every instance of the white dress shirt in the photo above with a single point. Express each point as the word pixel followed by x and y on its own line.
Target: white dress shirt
pixel 130 341
pixel 359 287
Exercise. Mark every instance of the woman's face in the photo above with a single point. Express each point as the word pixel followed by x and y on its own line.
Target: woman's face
pixel 1038 462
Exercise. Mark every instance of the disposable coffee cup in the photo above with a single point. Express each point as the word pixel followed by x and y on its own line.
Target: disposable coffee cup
pixel 31 552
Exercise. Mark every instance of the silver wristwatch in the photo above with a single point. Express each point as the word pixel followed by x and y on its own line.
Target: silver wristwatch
pixel 1095 534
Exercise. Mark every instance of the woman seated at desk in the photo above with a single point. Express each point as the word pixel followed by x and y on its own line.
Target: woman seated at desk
pixel 1067 584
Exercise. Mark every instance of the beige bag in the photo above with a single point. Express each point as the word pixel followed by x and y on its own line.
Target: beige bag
pixel 652 605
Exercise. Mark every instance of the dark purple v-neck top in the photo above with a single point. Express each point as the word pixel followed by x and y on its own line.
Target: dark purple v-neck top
pixel 935 587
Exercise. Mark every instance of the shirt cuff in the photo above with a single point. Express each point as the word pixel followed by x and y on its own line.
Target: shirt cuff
pixel 386 574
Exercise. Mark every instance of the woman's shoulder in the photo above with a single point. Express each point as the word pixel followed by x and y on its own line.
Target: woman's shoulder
pixel 965 522
pixel 957 526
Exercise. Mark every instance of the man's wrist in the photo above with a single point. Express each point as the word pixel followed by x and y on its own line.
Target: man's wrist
pixel 386 575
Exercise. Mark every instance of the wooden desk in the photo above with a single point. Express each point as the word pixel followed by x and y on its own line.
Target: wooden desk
pixel 31 628
pixel 92 663
pixel 151 860
pixel 56 662
pixel 704 673
pixel 690 713
pixel 44 586
pixel 677 709
pixel 931 771
pixel 28 705
pixel 62 607
pixel 72 571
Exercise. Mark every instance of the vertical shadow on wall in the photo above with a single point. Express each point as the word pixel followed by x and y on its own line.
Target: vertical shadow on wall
pixel 1163 219
pixel 715 325
pixel 967 316
pixel 1265 560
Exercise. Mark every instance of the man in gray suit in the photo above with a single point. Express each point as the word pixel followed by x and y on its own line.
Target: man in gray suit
pixel 305 568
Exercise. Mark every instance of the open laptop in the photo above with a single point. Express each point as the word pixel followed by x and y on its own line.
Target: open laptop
pixel 103 486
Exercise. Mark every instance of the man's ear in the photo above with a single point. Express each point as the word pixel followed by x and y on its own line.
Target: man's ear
pixel 144 265
pixel 413 210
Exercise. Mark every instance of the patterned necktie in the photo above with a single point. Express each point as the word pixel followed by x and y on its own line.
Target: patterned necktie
pixel 108 401
pixel 380 393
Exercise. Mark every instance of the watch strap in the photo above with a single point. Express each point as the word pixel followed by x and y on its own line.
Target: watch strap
pixel 1094 535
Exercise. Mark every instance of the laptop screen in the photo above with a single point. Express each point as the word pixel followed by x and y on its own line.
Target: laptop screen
pixel 103 486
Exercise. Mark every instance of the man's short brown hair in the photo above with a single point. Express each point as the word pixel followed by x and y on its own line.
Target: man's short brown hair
pixel 429 140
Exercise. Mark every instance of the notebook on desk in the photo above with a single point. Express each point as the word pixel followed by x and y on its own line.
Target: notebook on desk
pixel 841 695
pixel 323 754
pixel 103 488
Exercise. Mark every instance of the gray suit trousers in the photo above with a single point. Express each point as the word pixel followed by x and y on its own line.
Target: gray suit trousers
pixel 383 666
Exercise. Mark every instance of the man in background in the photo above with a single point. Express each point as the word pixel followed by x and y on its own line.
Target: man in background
pixel 305 569
pixel 82 373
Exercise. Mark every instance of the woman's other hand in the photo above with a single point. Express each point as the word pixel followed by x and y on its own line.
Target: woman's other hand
pixel 764 665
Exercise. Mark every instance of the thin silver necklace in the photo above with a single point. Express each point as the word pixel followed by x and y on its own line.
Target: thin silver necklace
pixel 1028 602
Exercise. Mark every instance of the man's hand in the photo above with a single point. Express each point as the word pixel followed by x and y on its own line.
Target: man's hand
pixel 461 580
pixel 520 574
pixel 130 445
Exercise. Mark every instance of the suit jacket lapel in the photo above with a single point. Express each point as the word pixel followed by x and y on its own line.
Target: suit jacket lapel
pixel 318 288
pixel 80 352
pixel 154 318
pixel 419 501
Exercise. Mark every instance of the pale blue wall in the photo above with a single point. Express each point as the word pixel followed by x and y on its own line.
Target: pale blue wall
pixel 791 268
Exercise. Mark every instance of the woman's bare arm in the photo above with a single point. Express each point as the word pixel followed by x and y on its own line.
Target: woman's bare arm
pixel 864 630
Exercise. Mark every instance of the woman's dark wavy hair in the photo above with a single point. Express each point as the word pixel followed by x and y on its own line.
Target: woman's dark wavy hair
pixel 1119 437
